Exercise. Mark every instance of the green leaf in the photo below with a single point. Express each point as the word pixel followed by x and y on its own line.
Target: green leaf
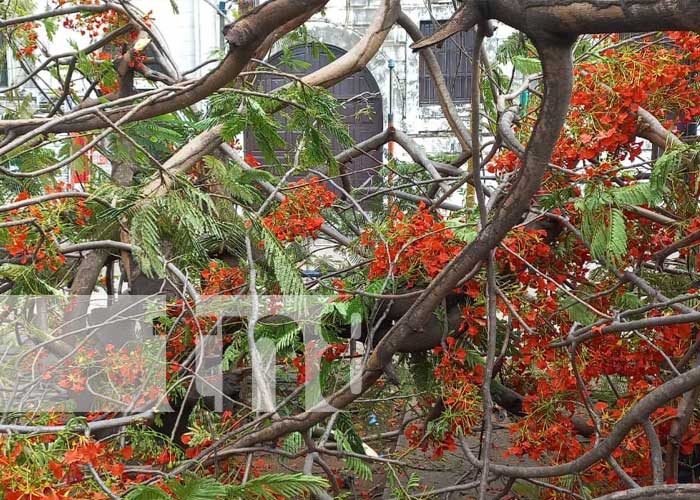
pixel 629 300
pixel 145 235
pixel 464 227
pixel 578 312
pixel 603 223
pixel 26 280
pixel 285 271
pixel 516 45
pixel 527 65
pixel 636 195
pixel 51 27
pixel 663 167
pixel 347 439
pixel 197 489
pixel 347 309
pixel 293 442
pixel 617 235
pixel 230 355
pixel 599 242
pixel 413 482
pixel 148 493
pixel 272 485
pixel 239 184
pixel 265 129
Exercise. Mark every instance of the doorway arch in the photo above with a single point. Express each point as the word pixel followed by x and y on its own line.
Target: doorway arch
pixel 361 124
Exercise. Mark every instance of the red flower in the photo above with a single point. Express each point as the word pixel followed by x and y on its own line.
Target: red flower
pixel 251 160
pixel 299 214
pixel 84 454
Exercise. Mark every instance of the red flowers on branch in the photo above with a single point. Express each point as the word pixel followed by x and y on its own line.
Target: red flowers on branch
pixel 220 280
pixel 299 214
pixel 28 40
pixel 417 246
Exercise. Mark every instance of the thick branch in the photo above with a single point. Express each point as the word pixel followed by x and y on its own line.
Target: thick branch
pixel 557 65
pixel 574 17
pixel 665 492
pixel 357 58
pixel 636 416
pixel 244 37
pixel 662 255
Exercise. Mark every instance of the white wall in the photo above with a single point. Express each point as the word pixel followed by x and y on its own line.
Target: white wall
pixel 343 24
pixel 192 35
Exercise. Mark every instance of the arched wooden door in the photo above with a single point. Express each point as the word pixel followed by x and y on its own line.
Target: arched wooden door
pixel 361 125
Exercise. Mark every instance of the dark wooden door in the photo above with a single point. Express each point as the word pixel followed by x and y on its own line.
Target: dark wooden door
pixel 361 110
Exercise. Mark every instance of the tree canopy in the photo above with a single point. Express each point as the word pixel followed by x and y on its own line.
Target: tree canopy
pixel 549 272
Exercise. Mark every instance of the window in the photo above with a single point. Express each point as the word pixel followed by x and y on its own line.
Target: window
pixel 454 57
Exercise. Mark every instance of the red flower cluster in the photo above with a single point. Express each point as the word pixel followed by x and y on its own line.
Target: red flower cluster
pixel 220 280
pixel 26 244
pixel 600 134
pixel 313 354
pixel 137 59
pixel 97 24
pixel 460 393
pixel 529 245
pixel 27 34
pixel 299 214
pixel 24 477
pixel 661 78
pixel 504 163
pixel 692 228
pixel 251 160
pixel 417 247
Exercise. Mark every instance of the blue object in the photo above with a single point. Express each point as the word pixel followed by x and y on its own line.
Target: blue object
pixel 373 420
pixel 524 101
pixel 314 273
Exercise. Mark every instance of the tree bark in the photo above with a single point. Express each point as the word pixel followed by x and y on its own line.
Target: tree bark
pixel 558 69
pixel 539 18
pixel 663 492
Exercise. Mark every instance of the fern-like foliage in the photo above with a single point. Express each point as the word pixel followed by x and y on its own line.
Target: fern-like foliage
pixel 285 272
pixel 237 183
pixel 237 113
pixel 670 178
pixel 603 222
pixel 265 128
pixel 604 226
pixel 516 45
pixel 26 280
pixel 318 120
pixel 188 219
pixel 310 115
pixel 273 486
pixel 617 234
pixel 190 489
pixel 269 487
pixel 146 235
pixel 293 443
pixel 198 489
pixel 347 439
